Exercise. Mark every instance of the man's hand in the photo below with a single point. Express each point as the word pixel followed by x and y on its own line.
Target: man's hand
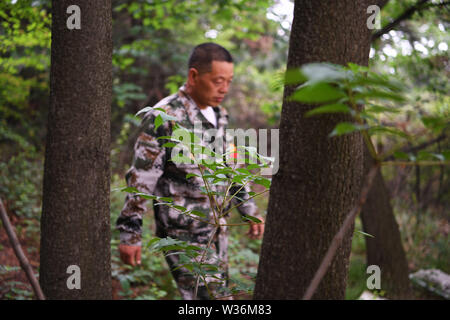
pixel 130 254
pixel 256 230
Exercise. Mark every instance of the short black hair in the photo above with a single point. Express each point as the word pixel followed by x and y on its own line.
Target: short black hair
pixel 204 54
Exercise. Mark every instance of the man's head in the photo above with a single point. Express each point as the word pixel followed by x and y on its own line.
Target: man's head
pixel 210 74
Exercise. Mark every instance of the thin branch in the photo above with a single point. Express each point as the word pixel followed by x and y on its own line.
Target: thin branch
pixel 415 163
pixel 213 233
pixel 404 16
pixel 24 263
pixel 336 242
pixel 240 203
pixel 420 146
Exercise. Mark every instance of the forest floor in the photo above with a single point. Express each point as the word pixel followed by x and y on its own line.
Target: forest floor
pixel 141 283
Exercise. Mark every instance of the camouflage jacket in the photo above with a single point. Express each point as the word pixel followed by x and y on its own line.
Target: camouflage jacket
pixel 153 173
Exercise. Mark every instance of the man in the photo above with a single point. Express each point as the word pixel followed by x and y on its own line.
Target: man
pixel 196 105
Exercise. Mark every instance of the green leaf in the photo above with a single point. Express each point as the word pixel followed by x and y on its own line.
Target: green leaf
pixel 189 175
pixel 244 171
pixel 164 137
pixel 323 72
pixel 365 234
pixel 238 178
pixel 151 242
pixel 424 155
pixel 294 76
pixel 389 130
pixel 250 218
pixel 263 181
pixel 446 154
pixel 434 123
pixel 373 79
pixel 147 196
pixel 252 166
pixel 179 158
pixel 130 190
pixel 438 156
pixel 166 199
pixel 198 213
pixel 180 208
pixel 144 110
pixel 158 121
pixel 329 108
pixel 380 109
pixel 169 145
pixel 378 94
pixel 345 128
pixel 401 155
pixel 317 93
pixel 167 117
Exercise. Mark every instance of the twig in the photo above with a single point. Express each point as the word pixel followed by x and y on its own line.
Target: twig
pixel 201 261
pixel 240 203
pixel 418 147
pixel 404 16
pixel 24 263
pixel 336 242
pixel 408 13
pixel 415 163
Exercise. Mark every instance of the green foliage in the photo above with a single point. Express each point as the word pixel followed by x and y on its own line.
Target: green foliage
pixel 215 170
pixel 345 89
pixel 152 41
pixel 127 91
pixel 24 68
pixel 20 185
pixel 374 105
pixel 13 290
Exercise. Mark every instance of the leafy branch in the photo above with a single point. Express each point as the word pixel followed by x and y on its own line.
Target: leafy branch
pixel 213 169
pixel 338 89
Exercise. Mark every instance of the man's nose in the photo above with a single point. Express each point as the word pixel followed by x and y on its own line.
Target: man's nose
pixel 224 88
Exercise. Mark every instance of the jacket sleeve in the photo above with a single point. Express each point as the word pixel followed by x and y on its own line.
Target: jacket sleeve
pixel 148 166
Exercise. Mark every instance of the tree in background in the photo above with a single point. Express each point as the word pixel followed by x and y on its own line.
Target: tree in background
pixel 401 23
pixel 75 224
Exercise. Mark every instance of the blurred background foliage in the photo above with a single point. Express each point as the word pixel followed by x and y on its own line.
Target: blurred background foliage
pixel 152 43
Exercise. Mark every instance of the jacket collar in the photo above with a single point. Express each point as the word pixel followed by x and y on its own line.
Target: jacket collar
pixel 193 111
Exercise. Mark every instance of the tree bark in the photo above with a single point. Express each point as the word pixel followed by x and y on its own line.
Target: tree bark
pixel 75 224
pixel 323 174
pixel 385 249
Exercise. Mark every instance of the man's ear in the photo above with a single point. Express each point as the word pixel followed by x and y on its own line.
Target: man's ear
pixel 192 76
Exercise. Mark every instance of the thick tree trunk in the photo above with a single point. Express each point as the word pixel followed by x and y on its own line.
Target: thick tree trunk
pixel 319 178
pixel 75 225
pixel 385 249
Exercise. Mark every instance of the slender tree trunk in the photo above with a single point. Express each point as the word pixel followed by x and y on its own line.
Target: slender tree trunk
pixel 75 225
pixel 385 249
pixel 319 178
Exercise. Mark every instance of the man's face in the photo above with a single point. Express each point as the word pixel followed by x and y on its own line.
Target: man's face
pixel 210 88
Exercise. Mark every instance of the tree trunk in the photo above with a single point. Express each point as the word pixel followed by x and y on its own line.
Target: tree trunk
pixel 323 174
pixel 385 249
pixel 75 224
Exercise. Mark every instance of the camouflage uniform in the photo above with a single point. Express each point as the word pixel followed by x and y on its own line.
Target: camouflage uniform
pixel 153 174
